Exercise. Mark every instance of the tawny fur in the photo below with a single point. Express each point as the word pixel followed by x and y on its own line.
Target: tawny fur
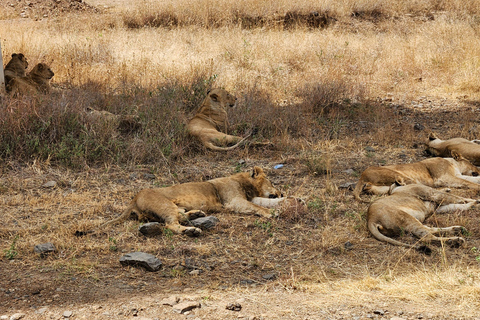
pixel 182 202
pixel 16 67
pixel 36 81
pixel 455 172
pixel 407 207
pixel 445 148
pixel 209 125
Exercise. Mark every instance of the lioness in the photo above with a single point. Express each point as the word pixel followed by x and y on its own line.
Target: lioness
pixel 15 67
pixel 187 201
pixel 405 210
pixel 37 80
pixel 444 148
pixel 209 124
pixel 434 172
pixel 123 123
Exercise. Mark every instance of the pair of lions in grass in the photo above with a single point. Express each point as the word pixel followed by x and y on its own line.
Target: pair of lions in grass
pixel 245 193
pixel 17 81
pixel 408 206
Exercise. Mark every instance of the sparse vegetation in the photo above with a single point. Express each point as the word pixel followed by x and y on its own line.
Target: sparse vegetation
pixel 336 86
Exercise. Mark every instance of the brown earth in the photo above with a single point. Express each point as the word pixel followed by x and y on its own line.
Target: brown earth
pixel 318 262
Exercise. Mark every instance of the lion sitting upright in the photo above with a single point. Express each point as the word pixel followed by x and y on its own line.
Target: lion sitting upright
pixel 15 67
pixel 210 122
pixel 37 80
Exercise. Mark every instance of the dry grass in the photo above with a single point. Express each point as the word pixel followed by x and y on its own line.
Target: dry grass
pixel 321 95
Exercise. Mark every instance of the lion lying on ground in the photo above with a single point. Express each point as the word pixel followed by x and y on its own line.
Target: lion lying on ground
pixel 15 67
pixel 444 148
pixel 188 201
pixel 210 123
pixel 123 123
pixel 405 210
pixel 37 80
pixel 434 172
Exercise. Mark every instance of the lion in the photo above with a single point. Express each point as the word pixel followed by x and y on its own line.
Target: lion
pixel 15 67
pixel 188 201
pixel 434 172
pixel 444 148
pixel 123 123
pixel 37 80
pixel 404 210
pixel 209 125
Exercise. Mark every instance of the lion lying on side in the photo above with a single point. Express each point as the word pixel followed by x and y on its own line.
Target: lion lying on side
pixel 405 210
pixel 434 172
pixel 444 148
pixel 209 124
pixel 187 201
pixel 37 80
pixel 15 67
pixel 123 123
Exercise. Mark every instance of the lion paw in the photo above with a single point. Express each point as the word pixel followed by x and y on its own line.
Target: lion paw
pixel 456 242
pixel 192 232
pixel 194 214
pixel 458 230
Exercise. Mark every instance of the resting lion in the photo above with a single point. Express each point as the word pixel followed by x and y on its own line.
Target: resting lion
pixel 187 201
pixel 405 210
pixel 123 123
pixel 37 80
pixel 15 67
pixel 209 124
pixel 434 172
pixel 444 148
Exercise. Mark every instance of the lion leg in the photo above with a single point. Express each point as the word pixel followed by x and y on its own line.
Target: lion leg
pixel 456 182
pixel 427 235
pixel 194 214
pixel 240 205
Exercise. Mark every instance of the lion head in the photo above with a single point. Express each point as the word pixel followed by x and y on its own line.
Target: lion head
pixel 16 67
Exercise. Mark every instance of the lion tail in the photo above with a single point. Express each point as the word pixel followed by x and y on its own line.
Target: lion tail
pixel 211 146
pixel 358 190
pixel 373 228
pixel 124 216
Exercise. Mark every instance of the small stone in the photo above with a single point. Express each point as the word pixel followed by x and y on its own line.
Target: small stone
pixel 269 276
pixel 348 245
pixel 418 127
pixel 41 310
pixel 234 306
pixel 4 317
pixel 195 272
pixel 186 306
pixel 380 312
pixel 369 149
pixel 170 301
pixel 205 222
pixel 50 184
pixel 349 171
pixel 149 176
pixel 44 248
pixel 397 318
pixel 151 229
pixel 17 316
pixel 145 260
pixel 67 314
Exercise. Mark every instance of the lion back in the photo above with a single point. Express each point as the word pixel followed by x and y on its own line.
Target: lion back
pixel 15 67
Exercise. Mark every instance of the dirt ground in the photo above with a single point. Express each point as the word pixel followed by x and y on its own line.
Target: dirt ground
pixel 317 263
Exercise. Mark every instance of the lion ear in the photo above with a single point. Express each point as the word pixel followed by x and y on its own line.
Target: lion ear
pixel 214 97
pixel 432 136
pixel 40 67
pixel 257 171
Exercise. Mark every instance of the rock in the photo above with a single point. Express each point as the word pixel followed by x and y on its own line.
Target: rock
pixel 397 318
pixel 269 276
pixel 349 171
pixel 418 127
pixel 41 310
pixel 369 149
pixel 186 306
pixel 145 260
pixel 348 245
pixel 348 185
pixel 380 312
pixel 149 176
pixel 67 314
pixel 170 301
pixel 151 229
pixel 50 184
pixel 17 316
pixel 195 272
pixel 234 306
pixel 205 222
pixel 44 248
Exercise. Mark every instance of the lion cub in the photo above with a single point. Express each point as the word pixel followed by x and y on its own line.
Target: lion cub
pixel 445 148
pixel 209 125
pixel 405 210
pixel 37 80
pixel 15 67
pixel 187 201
